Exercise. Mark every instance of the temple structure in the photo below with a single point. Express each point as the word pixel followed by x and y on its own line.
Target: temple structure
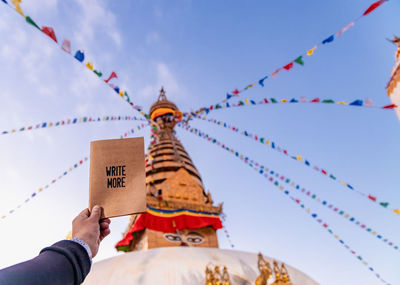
pixel 175 241
pixel 179 211
pixel 393 86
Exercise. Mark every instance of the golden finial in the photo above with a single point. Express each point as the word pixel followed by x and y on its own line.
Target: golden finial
pixel 265 271
pixel 277 273
pixel 225 277
pixel 162 94
pixel 209 276
pixel 285 275
pixel 217 276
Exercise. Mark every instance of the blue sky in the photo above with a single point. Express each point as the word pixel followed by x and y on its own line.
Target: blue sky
pixel 199 50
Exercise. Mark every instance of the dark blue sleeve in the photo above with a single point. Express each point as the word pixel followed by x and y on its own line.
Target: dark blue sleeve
pixel 65 262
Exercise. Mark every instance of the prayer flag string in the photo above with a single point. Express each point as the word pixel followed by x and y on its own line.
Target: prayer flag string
pixel 271 101
pixel 38 191
pixel 276 182
pixel 262 169
pixel 79 55
pixel 228 236
pixel 301 159
pixel 72 121
pixel 299 60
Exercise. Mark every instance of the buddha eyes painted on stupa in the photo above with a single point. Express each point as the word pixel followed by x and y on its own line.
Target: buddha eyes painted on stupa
pixel 189 238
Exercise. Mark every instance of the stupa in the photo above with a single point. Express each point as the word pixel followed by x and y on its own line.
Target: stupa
pixel 175 241
pixel 393 86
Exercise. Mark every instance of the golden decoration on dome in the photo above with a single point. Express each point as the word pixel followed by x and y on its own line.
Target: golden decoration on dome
pixel 216 277
pixel 265 271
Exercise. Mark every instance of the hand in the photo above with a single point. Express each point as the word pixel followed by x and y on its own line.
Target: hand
pixel 90 228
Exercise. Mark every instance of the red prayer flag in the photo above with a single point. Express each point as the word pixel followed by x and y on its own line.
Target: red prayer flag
pixel 275 73
pixel 372 198
pixel 316 100
pixel 323 171
pixel 50 32
pixel 266 101
pixel 373 7
pixel 392 106
pixel 235 92
pixel 112 75
pixel 288 66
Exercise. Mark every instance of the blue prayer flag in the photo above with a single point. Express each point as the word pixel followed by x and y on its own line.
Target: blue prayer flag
pixel 261 81
pixel 357 103
pixel 44 125
pixel 293 101
pixel 328 40
pixel 80 56
pixel 228 96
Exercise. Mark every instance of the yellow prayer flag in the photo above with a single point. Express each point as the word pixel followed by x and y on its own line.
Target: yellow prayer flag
pixel 13 131
pixel 50 124
pixel 374 233
pixel 365 263
pixel 298 157
pixel 89 65
pixel 397 211
pixel 40 190
pixel 347 216
pixel 311 51
pixel 308 210
pixel 17 4
pixel 336 236
pixel 341 182
pixel 247 101
pixel 267 142
pixel 70 169
pixel 281 187
pixel 283 101
pixel 292 184
pixel 121 93
pixel 342 103
pixel 151 157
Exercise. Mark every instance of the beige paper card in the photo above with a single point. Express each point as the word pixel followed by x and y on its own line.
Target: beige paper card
pixel 117 176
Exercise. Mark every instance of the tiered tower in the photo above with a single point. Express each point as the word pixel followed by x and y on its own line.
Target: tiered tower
pixel 179 211
pixel 393 87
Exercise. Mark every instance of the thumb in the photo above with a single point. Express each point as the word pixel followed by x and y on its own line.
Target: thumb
pixel 96 213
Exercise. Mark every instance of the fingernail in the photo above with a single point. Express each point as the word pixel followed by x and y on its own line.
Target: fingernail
pixel 96 208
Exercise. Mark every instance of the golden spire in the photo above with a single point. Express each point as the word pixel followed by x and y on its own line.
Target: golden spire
pixel 265 271
pixel 285 275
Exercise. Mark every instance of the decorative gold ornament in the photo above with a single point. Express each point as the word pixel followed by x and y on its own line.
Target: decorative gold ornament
pixel 217 277
pixel 265 271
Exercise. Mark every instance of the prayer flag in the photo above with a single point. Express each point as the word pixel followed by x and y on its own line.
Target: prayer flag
pixel 235 92
pixel 249 86
pixel 266 101
pixel 261 81
pixel 342 103
pixel 121 93
pixel 17 4
pixel 384 204
pixel 315 100
pixel 273 100
pixel 303 99
pixel 89 65
pixel 116 89
pixel 50 32
pixel 328 101
pixel 357 103
pixel 228 96
pixel 293 101
pixel 368 102
pixel 30 21
pixel 373 7
pixel 288 66
pixel 66 46
pixel 397 211
pixel 328 39
pixel 247 101
pixel 311 51
pixel 372 198
pixel 392 106
pixel 98 73
pixel 5 1
pixel 275 73
pixel 112 75
pixel 253 102
pixel 299 60
pixel 80 56
pixel 344 29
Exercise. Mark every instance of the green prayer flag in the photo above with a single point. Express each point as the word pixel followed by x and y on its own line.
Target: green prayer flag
pixel 98 73
pixel 273 100
pixel 30 21
pixel 328 101
pixel 384 204
pixel 299 60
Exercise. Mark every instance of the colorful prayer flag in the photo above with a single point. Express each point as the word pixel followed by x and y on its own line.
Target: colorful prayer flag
pixel 373 7
pixel 30 21
pixel 299 60
pixel 344 29
pixel 315 100
pixel 50 32
pixel 66 46
pixel 328 101
pixel 275 73
pixel 328 39
pixel 112 75
pixel 17 4
pixel 80 56
pixel 311 51
pixel 288 66
pixel 98 73
pixel 357 103
pixel 89 65
pixel 235 92
pixel 228 96
pixel 261 81
pixel 392 106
